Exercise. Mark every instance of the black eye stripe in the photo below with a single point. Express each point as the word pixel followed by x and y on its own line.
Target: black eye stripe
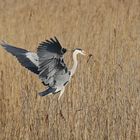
pixel 77 49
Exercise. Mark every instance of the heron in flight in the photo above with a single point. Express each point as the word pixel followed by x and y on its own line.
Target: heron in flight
pixel 48 63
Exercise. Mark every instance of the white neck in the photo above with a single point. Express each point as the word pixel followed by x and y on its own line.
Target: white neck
pixel 75 63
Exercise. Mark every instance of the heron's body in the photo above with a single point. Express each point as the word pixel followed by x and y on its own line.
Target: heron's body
pixel 48 63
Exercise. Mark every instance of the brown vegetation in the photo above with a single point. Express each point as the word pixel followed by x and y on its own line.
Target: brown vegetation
pixel 102 102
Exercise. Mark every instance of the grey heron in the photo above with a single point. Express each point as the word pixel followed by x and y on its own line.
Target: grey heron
pixel 48 63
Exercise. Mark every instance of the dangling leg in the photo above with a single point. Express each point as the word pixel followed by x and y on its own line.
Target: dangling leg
pixel 62 91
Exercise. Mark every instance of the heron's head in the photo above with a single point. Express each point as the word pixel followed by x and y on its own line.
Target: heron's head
pixel 79 51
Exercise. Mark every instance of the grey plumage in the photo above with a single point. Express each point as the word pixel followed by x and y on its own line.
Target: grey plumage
pixel 48 63
pixel 21 56
pixel 52 69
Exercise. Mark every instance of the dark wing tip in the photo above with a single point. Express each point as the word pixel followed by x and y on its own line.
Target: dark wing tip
pixel 63 50
pixel 53 45
pixel 3 43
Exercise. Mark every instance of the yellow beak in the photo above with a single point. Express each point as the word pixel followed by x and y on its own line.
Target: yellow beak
pixel 84 53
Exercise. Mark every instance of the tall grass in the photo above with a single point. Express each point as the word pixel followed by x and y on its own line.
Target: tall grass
pixel 102 102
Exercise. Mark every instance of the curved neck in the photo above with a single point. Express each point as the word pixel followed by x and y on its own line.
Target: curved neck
pixel 75 63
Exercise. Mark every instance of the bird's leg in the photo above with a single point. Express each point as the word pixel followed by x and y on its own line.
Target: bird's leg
pixel 62 91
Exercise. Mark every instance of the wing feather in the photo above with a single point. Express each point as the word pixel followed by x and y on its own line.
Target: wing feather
pixel 27 59
pixel 52 68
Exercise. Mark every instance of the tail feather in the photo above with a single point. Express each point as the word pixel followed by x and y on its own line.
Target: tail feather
pixel 46 92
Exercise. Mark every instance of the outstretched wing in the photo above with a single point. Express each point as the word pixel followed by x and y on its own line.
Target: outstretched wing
pixel 53 70
pixel 27 59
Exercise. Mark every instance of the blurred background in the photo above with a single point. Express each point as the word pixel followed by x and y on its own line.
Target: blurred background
pixel 102 102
